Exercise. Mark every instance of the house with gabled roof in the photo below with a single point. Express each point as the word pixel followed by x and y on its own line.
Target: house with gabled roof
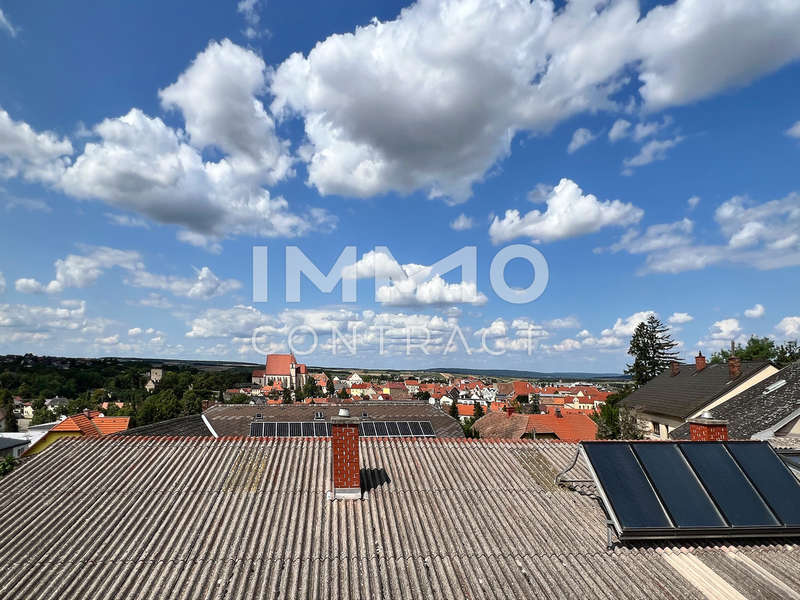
pixel 768 410
pixel 568 427
pixel 85 424
pixel 685 391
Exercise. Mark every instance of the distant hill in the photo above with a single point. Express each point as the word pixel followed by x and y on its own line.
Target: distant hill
pixel 221 365
pixel 529 374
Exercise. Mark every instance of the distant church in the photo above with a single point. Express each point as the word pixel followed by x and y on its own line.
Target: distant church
pixel 283 368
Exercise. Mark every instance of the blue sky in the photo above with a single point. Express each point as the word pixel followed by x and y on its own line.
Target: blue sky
pixel 648 152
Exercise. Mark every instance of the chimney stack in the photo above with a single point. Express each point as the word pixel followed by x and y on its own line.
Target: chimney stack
pixel 734 367
pixel 344 445
pixel 509 411
pixel 558 412
pixel 675 367
pixel 705 428
pixel 699 362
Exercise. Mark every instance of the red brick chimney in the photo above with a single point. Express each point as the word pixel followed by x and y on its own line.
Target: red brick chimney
pixel 734 367
pixel 675 367
pixel 509 411
pixel 707 429
pixel 699 362
pixel 346 468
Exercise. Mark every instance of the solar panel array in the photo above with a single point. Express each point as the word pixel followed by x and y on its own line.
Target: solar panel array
pixel 657 490
pixel 323 429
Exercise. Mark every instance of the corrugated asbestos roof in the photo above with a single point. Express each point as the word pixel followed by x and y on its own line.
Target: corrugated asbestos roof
pixel 162 518
pixel 191 425
pixel 235 419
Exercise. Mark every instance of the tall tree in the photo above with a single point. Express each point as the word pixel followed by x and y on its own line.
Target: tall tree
pixel 478 411
pixel 787 354
pixel 454 409
pixel 614 421
pixel 533 405
pixel 652 349
pixel 7 403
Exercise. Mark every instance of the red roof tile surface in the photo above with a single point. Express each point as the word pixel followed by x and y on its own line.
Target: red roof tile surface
pixel 278 364
pixel 569 427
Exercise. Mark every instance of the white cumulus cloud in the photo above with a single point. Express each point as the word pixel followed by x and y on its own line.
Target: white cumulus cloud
pixel 680 317
pixel 432 99
pixel 789 327
pixel 30 154
pixel 461 223
pixel 569 213
pixel 652 151
pixel 141 164
pixel 580 138
pixel 620 129
pixel 725 329
pixel 755 313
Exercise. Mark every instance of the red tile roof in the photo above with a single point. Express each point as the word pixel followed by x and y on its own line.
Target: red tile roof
pixel 77 423
pixel 108 425
pixel 523 388
pixel 569 427
pixel 466 410
pixel 278 364
pixel 94 426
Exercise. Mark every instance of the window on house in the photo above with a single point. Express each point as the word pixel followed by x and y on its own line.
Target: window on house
pixel 656 427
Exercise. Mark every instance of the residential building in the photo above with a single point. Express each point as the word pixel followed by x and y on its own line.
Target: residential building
pixel 235 419
pixel 247 518
pixel 355 378
pixel 56 403
pixel 88 423
pixel 282 368
pixel 321 380
pixel 12 446
pixel 684 391
pixel 768 410
pixel 567 427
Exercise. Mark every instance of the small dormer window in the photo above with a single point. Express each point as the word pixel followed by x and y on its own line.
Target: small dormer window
pixel 318 415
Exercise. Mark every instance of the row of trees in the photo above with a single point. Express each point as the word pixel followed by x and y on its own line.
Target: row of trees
pixel 761 348
pixel 88 384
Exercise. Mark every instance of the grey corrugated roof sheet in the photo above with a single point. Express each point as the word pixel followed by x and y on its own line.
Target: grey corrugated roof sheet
pixel 235 419
pixel 7 443
pixel 190 425
pixel 753 411
pixel 680 396
pixel 248 518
